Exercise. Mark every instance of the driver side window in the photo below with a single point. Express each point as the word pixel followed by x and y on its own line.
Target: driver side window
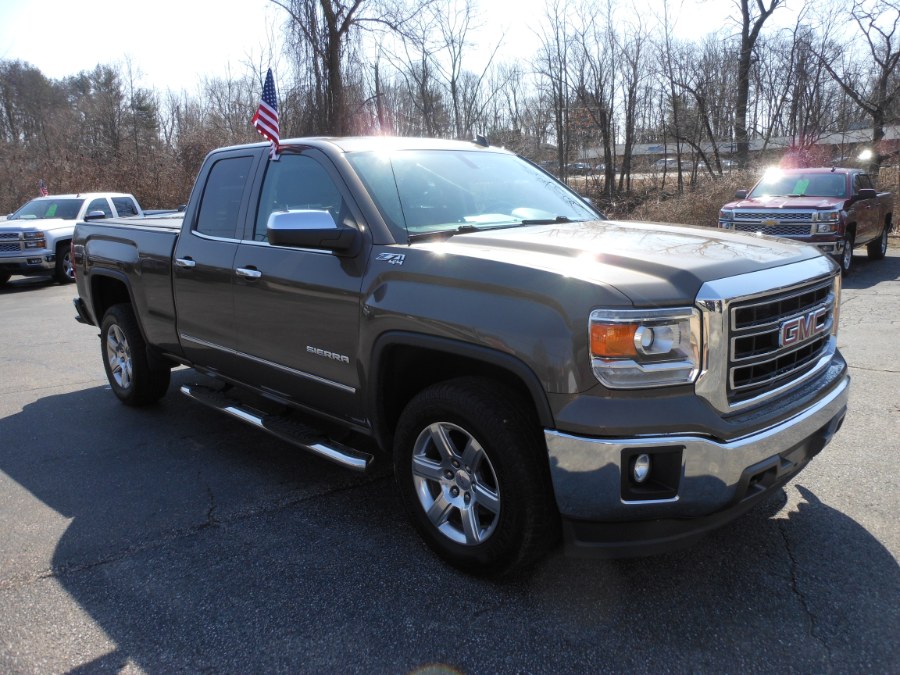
pixel 100 204
pixel 297 183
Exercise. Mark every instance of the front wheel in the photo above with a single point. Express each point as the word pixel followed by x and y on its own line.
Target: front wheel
pixel 64 272
pixel 468 465
pixel 136 377
pixel 877 249
pixel 846 259
pixel 4 277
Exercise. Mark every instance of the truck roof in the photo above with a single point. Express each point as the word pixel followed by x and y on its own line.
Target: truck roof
pixel 370 143
pixel 85 195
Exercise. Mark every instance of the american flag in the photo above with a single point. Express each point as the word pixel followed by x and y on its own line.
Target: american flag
pixel 266 118
pixel 42 188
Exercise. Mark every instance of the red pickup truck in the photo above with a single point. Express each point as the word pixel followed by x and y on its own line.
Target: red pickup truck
pixel 835 209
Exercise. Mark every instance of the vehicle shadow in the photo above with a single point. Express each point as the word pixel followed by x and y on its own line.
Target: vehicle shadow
pixel 25 284
pixel 866 273
pixel 197 543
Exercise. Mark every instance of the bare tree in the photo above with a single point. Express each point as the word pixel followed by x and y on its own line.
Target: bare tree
pixel 871 82
pixel 753 14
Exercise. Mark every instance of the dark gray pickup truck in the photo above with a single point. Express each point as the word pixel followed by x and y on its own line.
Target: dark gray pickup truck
pixel 530 369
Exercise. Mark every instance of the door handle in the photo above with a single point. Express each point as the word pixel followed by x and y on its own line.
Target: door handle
pixel 185 263
pixel 248 273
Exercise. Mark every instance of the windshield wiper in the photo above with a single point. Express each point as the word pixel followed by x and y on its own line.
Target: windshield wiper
pixel 460 229
pixel 548 221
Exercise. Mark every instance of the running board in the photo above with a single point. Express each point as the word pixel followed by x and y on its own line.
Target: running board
pixel 291 431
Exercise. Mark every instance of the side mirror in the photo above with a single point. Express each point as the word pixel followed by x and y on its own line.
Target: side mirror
pixel 740 194
pixel 310 229
pixel 95 215
pixel 866 193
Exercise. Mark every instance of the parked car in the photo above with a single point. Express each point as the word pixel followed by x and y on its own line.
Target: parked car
pixel 670 164
pixel 579 168
pixel 836 209
pixel 528 368
pixel 35 239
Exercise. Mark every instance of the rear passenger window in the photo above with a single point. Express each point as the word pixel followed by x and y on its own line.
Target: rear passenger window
pixel 221 202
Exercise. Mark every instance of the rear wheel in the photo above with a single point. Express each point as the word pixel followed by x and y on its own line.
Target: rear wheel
pixel 877 249
pixel 64 273
pixel 467 461
pixel 136 377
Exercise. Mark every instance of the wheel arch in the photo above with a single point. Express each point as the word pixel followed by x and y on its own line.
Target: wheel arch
pixel 110 288
pixel 425 360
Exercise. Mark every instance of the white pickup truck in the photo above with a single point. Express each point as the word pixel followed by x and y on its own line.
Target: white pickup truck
pixel 35 240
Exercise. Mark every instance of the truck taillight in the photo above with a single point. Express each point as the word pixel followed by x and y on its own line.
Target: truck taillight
pixel 72 259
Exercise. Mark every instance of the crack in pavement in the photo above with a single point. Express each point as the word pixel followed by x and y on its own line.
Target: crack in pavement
pixel 173 535
pixel 812 622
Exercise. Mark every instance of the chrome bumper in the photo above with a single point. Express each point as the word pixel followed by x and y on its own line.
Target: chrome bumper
pixel 587 472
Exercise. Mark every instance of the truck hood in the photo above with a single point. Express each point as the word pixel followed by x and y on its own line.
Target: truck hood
pixel 817 203
pixel 649 263
pixel 30 224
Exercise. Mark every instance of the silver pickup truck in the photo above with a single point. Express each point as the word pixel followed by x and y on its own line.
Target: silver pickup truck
pixel 528 367
pixel 35 239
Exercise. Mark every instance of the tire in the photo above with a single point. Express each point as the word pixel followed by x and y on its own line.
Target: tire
pixel 846 259
pixel 4 277
pixel 136 376
pixel 65 270
pixel 470 470
pixel 877 249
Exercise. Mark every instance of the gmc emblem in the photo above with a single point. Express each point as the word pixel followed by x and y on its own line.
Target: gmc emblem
pixel 799 329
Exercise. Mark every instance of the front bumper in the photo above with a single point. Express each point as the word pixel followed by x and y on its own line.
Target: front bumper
pixel 39 262
pixel 714 481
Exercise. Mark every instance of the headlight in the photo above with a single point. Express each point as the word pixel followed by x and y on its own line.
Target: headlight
pixel 826 216
pixel 632 349
pixel 34 239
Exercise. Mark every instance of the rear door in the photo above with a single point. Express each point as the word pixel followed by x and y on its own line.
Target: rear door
pixel 203 268
pixel 297 311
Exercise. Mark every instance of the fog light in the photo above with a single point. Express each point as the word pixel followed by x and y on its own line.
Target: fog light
pixel 641 468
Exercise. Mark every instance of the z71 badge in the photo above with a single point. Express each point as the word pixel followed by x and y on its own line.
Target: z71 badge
pixel 392 258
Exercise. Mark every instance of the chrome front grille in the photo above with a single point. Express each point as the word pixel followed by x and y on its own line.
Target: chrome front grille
pixel 780 230
pixel 777 339
pixel 776 223
pixel 9 235
pixel 6 247
pixel 767 332
pixel 789 216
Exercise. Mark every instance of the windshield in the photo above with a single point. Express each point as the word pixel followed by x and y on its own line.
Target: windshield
pixel 422 192
pixel 777 184
pixel 39 209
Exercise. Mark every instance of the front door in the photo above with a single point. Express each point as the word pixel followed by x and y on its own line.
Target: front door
pixel 297 310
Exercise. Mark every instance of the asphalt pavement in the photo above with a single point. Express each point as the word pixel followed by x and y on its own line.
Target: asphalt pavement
pixel 174 539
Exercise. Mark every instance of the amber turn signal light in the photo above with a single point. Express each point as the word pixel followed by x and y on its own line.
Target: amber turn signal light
pixel 613 341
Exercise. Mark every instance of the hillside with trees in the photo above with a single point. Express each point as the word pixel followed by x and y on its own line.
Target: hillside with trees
pixel 604 79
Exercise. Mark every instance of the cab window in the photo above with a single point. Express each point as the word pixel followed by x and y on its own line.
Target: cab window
pixel 295 183
pixel 221 202
pixel 100 204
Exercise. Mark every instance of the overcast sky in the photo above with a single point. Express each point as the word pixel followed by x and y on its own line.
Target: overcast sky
pixel 173 43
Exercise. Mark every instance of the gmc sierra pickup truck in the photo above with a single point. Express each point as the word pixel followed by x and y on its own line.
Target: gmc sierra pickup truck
pixel 835 209
pixel 36 239
pixel 530 369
